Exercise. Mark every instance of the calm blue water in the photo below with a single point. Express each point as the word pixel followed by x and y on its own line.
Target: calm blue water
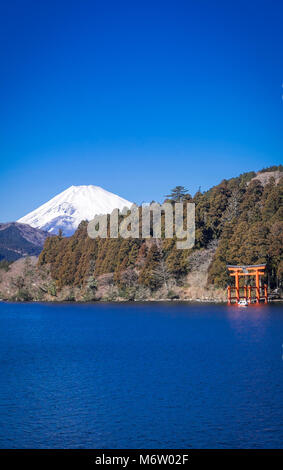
pixel 140 376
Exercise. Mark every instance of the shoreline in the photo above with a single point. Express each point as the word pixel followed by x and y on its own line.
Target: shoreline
pixel 81 302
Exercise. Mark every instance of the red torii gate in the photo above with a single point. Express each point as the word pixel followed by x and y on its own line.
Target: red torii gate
pixel 250 270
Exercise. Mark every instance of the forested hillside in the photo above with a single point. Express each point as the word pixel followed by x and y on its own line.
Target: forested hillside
pixel 242 217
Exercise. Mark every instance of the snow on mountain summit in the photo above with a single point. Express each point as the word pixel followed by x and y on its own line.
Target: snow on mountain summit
pixel 66 210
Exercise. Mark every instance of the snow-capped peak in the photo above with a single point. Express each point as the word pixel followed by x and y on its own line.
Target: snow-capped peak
pixel 66 210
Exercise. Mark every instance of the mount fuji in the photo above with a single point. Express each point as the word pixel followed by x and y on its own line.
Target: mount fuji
pixel 66 210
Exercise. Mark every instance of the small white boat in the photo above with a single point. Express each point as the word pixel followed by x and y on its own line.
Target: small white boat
pixel 243 303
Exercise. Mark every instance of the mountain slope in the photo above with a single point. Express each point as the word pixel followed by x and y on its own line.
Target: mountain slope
pixel 66 210
pixel 239 221
pixel 240 218
pixel 18 240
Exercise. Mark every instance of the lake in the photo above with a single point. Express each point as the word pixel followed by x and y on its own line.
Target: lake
pixel 141 375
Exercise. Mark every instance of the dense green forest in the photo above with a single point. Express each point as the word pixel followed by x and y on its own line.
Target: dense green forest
pixel 243 216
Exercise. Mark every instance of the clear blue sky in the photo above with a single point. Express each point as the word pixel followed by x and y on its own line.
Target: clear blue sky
pixel 136 96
